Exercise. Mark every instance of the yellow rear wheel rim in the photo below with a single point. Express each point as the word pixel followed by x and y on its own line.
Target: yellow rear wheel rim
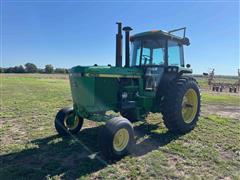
pixel 189 105
pixel 120 140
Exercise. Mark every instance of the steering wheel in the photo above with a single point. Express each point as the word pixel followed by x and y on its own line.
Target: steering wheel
pixel 146 58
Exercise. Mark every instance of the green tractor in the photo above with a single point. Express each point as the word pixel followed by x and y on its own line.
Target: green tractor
pixel 154 79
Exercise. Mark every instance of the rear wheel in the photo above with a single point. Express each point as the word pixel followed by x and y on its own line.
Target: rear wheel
pixel 116 138
pixel 181 105
pixel 68 122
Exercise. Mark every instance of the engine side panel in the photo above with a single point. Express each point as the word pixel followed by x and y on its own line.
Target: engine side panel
pixel 106 93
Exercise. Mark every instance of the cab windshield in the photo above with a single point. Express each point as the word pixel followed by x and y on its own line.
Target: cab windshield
pixel 152 52
pixel 148 52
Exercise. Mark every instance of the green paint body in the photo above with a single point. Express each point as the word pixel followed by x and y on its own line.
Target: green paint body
pixel 96 89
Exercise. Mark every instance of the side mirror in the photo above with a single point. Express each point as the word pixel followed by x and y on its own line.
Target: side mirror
pixel 188 65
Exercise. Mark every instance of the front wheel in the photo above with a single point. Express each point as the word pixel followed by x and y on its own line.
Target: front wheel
pixel 116 138
pixel 68 122
pixel 181 105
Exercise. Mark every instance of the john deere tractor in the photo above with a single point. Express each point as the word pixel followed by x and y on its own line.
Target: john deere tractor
pixel 154 79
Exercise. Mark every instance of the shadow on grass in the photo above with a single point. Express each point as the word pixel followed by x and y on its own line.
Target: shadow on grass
pixel 72 158
pixel 153 141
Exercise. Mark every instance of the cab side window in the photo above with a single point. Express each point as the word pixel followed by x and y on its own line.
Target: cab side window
pixel 175 54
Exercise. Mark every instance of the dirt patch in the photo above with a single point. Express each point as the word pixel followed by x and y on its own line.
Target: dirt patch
pixel 12 132
pixel 222 110
pixel 173 160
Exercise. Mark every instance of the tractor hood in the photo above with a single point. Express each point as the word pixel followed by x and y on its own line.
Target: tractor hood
pixel 105 71
pixel 96 88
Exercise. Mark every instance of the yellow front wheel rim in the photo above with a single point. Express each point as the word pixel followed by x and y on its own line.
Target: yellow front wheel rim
pixel 189 105
pixel 71 124
pixel 120 140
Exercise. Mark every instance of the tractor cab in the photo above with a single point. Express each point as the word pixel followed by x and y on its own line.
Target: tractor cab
pixel 157 52
pixel 157 48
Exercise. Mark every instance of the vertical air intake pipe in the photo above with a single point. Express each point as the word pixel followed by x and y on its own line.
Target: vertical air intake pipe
pixel 127 30
pixel 119 45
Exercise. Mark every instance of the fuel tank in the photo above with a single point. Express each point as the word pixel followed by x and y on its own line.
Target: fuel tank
pixel 96 88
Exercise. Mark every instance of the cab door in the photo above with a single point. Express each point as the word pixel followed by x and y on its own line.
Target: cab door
pixel 153 61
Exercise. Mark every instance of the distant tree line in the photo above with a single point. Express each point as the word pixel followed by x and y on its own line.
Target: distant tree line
pixel 32 68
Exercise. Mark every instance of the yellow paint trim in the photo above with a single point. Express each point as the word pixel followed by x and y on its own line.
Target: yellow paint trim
pixel 110 75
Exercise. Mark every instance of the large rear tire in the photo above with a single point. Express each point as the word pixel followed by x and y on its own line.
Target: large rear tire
pixel 116 138
pixel 181 105
pixel 68 122
pixel 130 115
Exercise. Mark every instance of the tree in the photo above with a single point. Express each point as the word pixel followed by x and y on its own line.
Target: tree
pixel 18 69
pixel 30 68
pixel 15 69
pixel 9 70
pixel 21 69
pixel 41 71
pixel 60 71
pixel 1 70
pixel 49 69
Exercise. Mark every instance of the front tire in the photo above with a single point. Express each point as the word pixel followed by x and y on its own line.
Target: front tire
pixel 181 105
pixel 116 138
pixel 68 122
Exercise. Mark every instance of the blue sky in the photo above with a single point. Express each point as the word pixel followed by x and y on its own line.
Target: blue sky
pixel 71 33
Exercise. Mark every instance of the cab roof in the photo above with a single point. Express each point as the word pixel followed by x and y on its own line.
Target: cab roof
pixel 160 34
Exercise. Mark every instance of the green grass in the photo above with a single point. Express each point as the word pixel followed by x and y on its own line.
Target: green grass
pixel 221 98
pixel 31 149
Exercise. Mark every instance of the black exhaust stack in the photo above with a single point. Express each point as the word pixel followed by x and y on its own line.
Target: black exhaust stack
pixel 127 30
pixel 119 45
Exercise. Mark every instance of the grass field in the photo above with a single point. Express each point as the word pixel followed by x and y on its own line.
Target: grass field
pixel 31 149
